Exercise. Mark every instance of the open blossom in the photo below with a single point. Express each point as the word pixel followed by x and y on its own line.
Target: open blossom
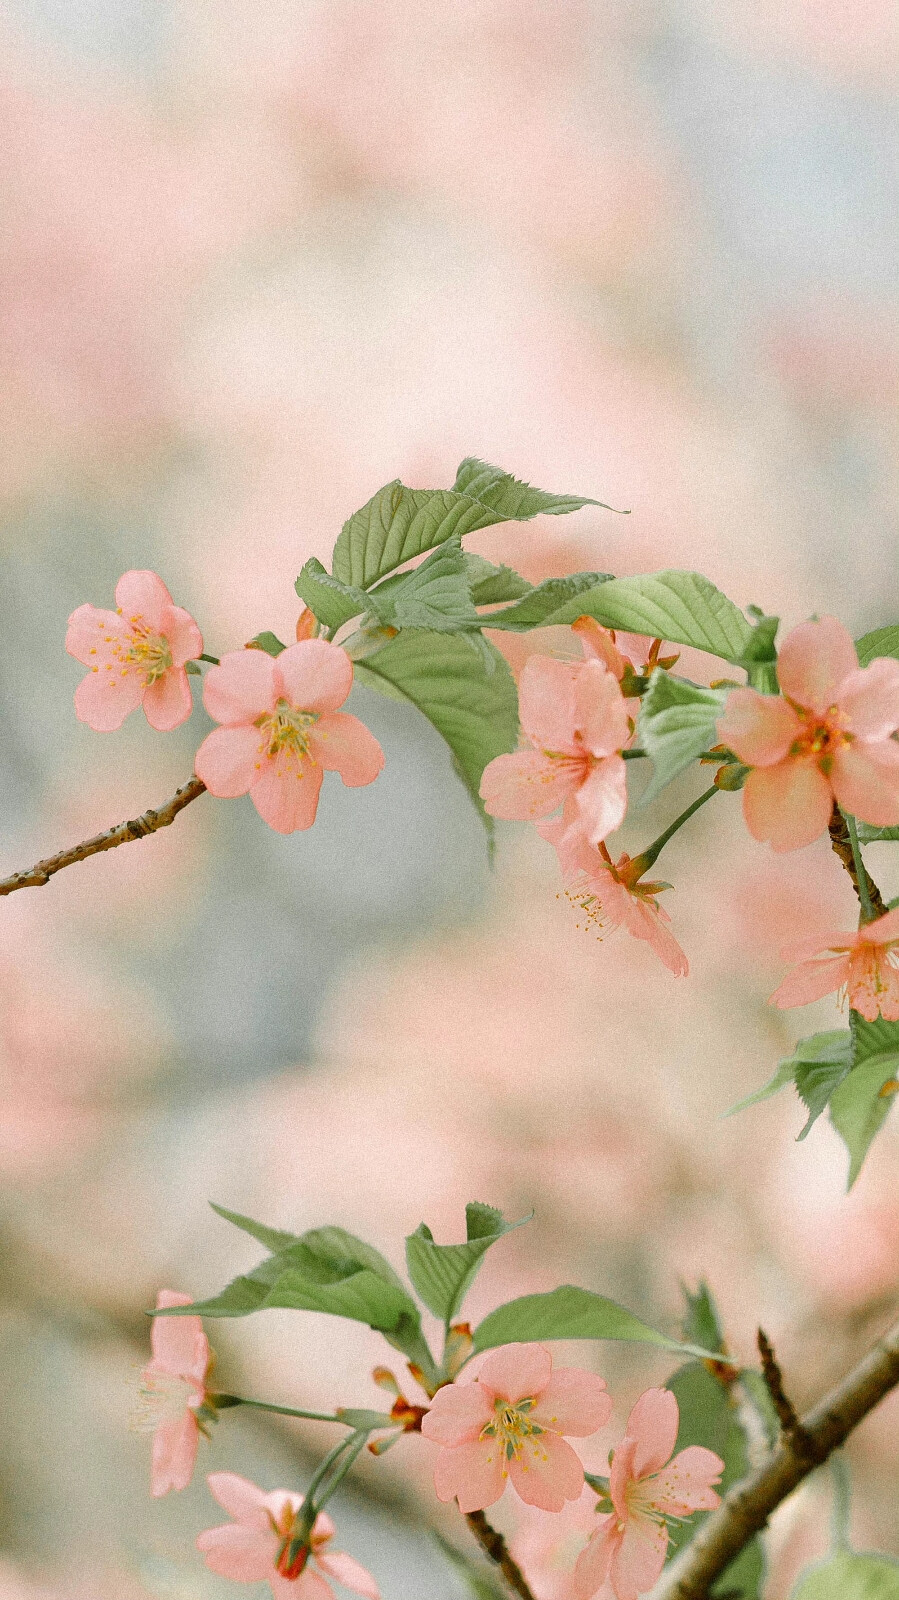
pixel 255 1546
pixel 865 963
pixel 830 738
pixel 281 729
pixel 136 656
pixel 630 1543
pixel 172 1391
pixel 611 893
pixel 508 1423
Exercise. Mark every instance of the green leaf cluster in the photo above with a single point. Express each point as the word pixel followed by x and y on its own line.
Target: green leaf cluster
pixel 677 723
pixel 443 1273
pixel 850 1575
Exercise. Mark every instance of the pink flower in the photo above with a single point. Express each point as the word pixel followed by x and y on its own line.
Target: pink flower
pixel 508 1422
pixel 646 1486
pixel 576 719
pixel 136 655
pixel 172 1391
pixel 281 730
pixel 615 650
pixel 866 963
pixel 611 894
pixel 256 1544
pixel 830 739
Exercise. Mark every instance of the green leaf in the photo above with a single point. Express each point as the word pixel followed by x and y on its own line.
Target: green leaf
pixel 702 1324
pixel 816 1066
pixel 443 1273
pixel 544 601
pixel 269 642
pixel 681 607
pixel 331 601
pixel 850 1575
pixel 709 1417
pixel 272 1238
pixel 760 656
pixel 491 585
pixel 398 524
pixel 511 500
pixel 880 642
pixel 434 595
pixel 478 1579
pixel 868 834
pixel 677 722
pixel 857 1108
pixel 569 1313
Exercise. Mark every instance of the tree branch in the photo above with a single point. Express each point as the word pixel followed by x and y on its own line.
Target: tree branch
pixel 745 1509
pixel 790 1425
pixel 496 1548
pixel 842 844
pixel 122 833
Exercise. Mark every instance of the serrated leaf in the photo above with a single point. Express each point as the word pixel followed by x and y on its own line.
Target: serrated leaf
pixel 570 1313
pixel 681 607
pixel 850 1575
pixel 868 834
pixel 492 585
pixel 677 723
pixel 331 601
pixel 816 1082
pixel 857 1108
pixel 815 1059
pixel 509 498
pixel 879 642
pixel 398 524
pixel 269 642
pixel 435 595
pixel 442 1274
pixel 709 1417
pixel 544 601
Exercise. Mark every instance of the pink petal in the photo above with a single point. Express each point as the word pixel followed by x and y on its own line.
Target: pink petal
pixel 686 1484
pixel 168 702
pixel 758 728
pixel 243 1500
pixel 350 1573
pixel 599 645
pixel 818 943
pixel 874 984
pixel 883 930
pixel 143 595
pixel 528 784
pixel 546 1472
pixel 653 1425
pixel 595 1560
pixel 458 1413
pixel 865 778
pixel 547 703
pixel 622 1475
pixel 105 698
pixel 286 792
pixel 185 638
pixel 869 699
pixel 475 1474
pixel 229 760
pixel 602 716
pixel 790 804
pixel 235 1551
pixel 602 798
pixel 179 1344
pixel 814 662
pixel 174 1454
pixel 317 675
pixel 517 1371
pixel 639 1559
pixel 322 1529
pixel 642 922
pixel 87 633
pixel 241 688
pixel 574 1402
pixel 310 1585
pixel 341 743
pixel 812 980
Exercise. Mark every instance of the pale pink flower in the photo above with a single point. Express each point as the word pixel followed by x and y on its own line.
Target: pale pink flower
pixel 255 1546
pixel 136 655
pixel 866 963
pixel 576 719
pixel 611 894
pixel 281 730
pixel 173 1388
pixel 509 1422
pixel 629 1546
pixel 615 650
pixel 830 738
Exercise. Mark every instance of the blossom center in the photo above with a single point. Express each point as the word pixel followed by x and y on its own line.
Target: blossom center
pixel 162 1397
pixel 511 1425
pixel 140 650
pixel 287 729
pixel 821 737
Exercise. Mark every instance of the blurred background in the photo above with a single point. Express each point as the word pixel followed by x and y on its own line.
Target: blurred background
pixel 256 260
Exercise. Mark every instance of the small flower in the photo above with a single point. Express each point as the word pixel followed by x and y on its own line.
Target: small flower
pixel 281 730
pixel 509 1422
pixel 611 894
pixel 629 1546
pixel 173 1388
pixel 256 1545
pixel 618 651
pixel 865 963
pixel 136 655
pixel 830 738
pixel 576 719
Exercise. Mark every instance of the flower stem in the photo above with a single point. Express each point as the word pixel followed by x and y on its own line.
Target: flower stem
pixel 649 855
pixel 861 876
pixel 224 1401
pixel 841 842
pixel 214 661
pixel 842 1501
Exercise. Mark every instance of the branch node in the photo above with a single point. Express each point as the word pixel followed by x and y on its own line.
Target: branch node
pixel 787 1415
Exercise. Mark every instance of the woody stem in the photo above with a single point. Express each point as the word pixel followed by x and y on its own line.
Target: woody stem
pixel 844 839
pixel 494 1545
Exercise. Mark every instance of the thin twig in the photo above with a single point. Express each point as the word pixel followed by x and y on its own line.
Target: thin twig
pixel 122 833
pixel 496 1548
pixel 842 844
pixel 787 1415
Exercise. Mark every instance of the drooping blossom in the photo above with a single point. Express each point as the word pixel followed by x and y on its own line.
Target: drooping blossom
pixel 865 963
pixel 281 730
pixel 256 1545
pixel 830 737
pixel 136 656
pixel 611 893
pixel 508 1423
pixel 616 650
pixel 546 1547
pixel 629 1545
pixel 173 1388
pixel 576 719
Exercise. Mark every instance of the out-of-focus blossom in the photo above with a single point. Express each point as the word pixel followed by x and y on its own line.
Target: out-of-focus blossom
pixel 830 738
pixel 611 894
pixel 577 721
pixel 281 730
pixel 546 1545
pixel 645 1486
pixel 136 656
pixel 865 963
pixel 256 1545
pixel 508 1423
pixel 173 1388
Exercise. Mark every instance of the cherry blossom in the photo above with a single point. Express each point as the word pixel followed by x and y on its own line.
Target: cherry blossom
pixel 611 893
pixel 281 729
pixel 172 1392
pixel 508 1423
pixel 256 1544
pixel 865 963
pixel 615 650
pixel 136 655
pixel 629 1546
pixel 830 738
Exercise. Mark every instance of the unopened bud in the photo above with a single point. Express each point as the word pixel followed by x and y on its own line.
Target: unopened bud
pixel 732 776
pixel 385 1379
pixel 459 1345
pixel 307 625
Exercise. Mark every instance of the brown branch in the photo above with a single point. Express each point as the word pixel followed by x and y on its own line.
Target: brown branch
pixel 839 838
pixel 122 833
pixel 496 1548
pixel 790 1425
pixel 745 1509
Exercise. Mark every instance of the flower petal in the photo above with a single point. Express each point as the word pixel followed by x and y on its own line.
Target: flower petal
pixel 229 760
pixel 595 1560
pixel 687 1483
pixel 601 710
pixel 179 1344
pixel 653 1425
pixel 458 1413
pixel 811 980
pixel 517 1371
pixel 814 662
pixel 599 645
pixel 574 1402
pixel 174 1454
pixel 644 921
pixel 168 702
pixel 865 778
pixel 546 1472
pixel 602 798
pixel 143 595
pixel 350 1573
pixel 243 1500
pixel 105 698
pixel 758 728
pixel 789 805
pixel 241 687
pixel 547 703
pixel 341 743
pixel 882 930
pixel 90 632
pixel 185 638
pixel 640 1557
pixel 236 1551
pixel 528 784
pixel 309 1586
pixel 317 675
pixel 472 1473
pixel 873 984
pixel 286 792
